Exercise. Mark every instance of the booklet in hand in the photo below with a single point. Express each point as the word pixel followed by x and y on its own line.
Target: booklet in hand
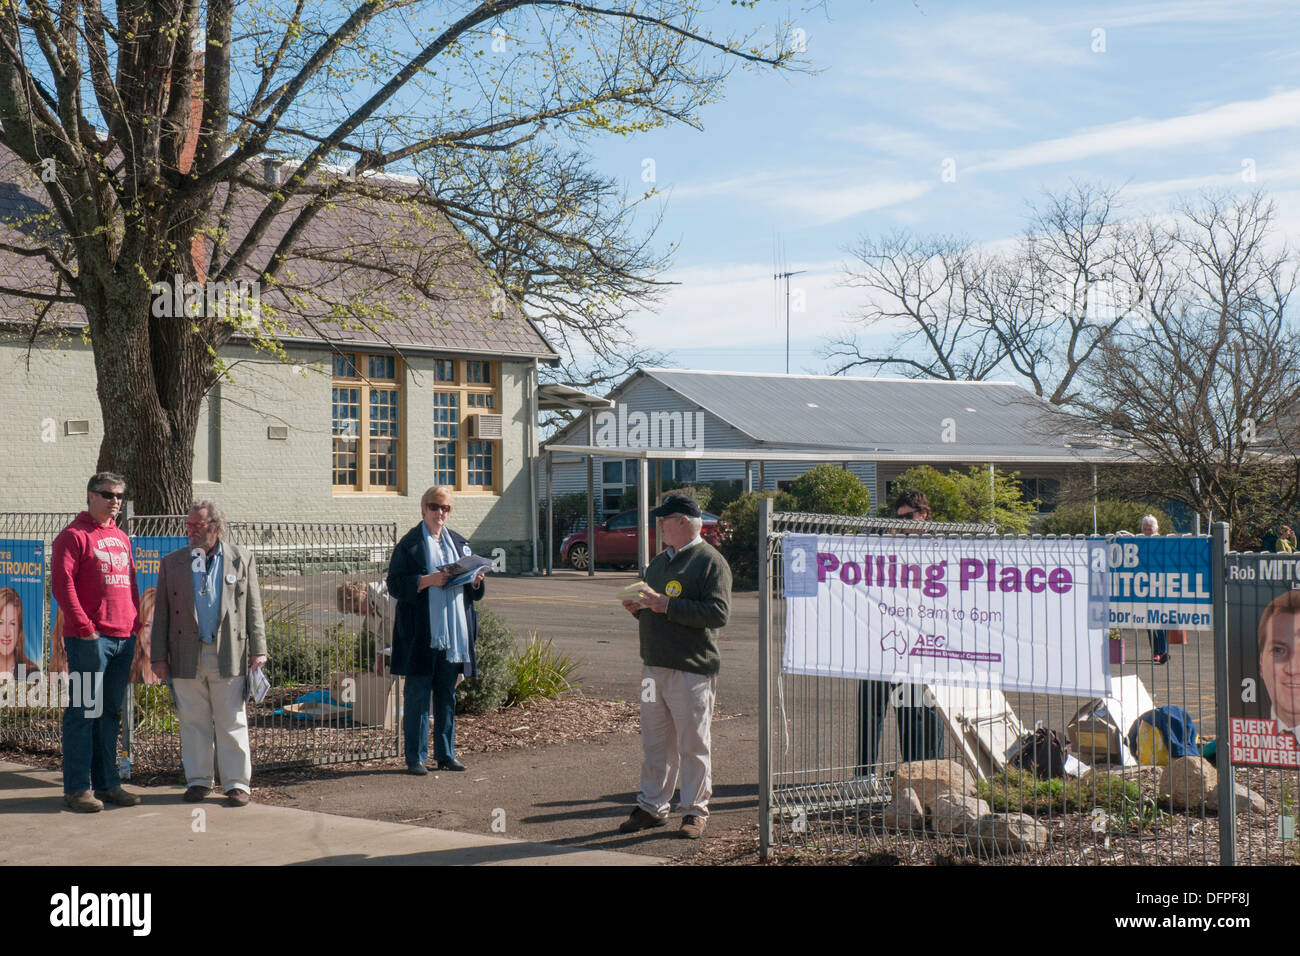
pixel 464 570
pixel 634 590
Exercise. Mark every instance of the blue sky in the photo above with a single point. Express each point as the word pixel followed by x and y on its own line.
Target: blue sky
pixel 1164 99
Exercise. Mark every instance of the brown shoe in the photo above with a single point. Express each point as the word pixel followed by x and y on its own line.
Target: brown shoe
pixel 237 798
pixel 640 820
pixel 83 802
pixel 118 796
pixel 693 827
pixel 196 794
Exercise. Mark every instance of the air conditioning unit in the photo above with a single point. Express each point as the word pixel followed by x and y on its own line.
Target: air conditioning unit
pixel 485 426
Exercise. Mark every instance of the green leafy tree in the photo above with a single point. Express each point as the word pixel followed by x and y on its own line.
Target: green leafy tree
pixel 1112 516
pixel 1003 505
pixel 830 490
pixel 943 492
pixel 740 547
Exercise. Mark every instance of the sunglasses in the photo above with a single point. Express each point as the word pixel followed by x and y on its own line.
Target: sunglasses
pixel 111 495
pixel 917 515
pixel 445 509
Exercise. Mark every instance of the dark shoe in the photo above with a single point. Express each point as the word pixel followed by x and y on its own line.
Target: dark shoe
pixel 640 820
pixel 83 802
pixel 196 793
pixel 118 796
pixel 419 769
pixel 237 798
pixel 451 763
pixel 1160 659
pixel 693 827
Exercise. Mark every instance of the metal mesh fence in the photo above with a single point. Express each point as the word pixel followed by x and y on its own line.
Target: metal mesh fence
pixel 835 751
pixel 325 637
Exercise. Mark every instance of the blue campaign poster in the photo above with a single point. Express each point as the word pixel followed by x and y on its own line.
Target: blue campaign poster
pixel 146 554
pixel 1160 582
pixel 22 605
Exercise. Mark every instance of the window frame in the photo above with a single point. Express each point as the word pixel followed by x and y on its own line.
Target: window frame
pixel 364 383
pixel 464 388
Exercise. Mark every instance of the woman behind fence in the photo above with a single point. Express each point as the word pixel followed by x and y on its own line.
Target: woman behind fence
pixel 435 631
pixel 1159 639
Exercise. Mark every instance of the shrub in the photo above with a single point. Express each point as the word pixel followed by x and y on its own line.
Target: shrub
pixel 298 658
pixel 493 649
pixel 540 671
pixel 723 493
pixel 1112 516
pixel 570 511
pixel 942 491
pixel 1007 508
pixel 740 547
pixel 830 490
pixel 154 710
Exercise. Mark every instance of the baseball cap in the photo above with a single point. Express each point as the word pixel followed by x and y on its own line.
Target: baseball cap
pixel 676 505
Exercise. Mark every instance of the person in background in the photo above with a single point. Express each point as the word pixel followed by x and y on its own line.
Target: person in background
pixel 1159 639
pixel 94 583
pixel 1285 540
pixel 686 603
pixel 434 633
pixel 920 731
pixel 211 635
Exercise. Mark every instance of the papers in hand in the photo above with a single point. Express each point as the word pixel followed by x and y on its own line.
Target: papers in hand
pixel 464 570
pixel 258 685
pixel 635 591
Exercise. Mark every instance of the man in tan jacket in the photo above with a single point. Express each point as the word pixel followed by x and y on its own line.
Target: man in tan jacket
pixel 208 635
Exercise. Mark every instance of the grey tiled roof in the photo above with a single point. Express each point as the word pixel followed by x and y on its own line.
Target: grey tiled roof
pixel 346 283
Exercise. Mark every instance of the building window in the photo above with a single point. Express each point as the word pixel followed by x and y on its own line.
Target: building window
pixel 366 419
pixel 465 388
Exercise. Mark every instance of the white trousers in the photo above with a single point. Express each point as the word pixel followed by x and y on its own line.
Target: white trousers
pixel 676 715
pixel 211 711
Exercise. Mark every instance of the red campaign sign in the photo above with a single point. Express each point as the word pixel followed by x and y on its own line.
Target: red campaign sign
pixel 1262 743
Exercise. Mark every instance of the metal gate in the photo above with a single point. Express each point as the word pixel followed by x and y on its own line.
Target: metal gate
pixel 831 752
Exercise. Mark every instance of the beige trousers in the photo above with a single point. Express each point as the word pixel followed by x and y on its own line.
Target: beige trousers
pixel 211 711
pixel 676 715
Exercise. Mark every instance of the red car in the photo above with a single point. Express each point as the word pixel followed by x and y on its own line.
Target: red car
pixel 616 540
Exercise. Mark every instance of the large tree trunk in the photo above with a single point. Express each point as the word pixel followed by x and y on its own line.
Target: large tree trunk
pixel 150 408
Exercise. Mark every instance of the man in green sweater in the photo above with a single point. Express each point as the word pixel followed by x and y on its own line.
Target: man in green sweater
pixel 680 613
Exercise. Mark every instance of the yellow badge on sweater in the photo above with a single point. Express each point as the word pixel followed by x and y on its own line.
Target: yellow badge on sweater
pixel 673 588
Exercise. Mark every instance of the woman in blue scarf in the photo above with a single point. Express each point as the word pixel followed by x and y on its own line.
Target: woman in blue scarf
pixel 434 632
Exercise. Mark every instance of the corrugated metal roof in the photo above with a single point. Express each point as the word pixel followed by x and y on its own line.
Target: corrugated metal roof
pixel 908 417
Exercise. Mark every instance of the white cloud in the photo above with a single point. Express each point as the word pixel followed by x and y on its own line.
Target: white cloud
pixel 816 197
pixel 1220 124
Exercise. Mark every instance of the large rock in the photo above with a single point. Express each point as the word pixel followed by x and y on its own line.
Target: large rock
pixel 1247 800
pixel 1008 833
pixel 956 813
pixel 1187 783
pixel 905 811
pixel 929 778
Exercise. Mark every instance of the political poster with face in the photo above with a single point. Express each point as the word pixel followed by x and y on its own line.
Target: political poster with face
pixel 1263 599
pixel 22 607
pixel 146 553
pixel 1023 614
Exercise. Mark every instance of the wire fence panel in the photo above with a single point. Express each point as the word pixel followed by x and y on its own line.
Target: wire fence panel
pixel 332 699
pixel 840 756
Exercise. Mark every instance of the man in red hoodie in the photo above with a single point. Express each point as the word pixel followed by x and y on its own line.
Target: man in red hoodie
pixel 94 583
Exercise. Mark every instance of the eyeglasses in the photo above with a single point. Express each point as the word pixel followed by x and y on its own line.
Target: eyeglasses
pixel 914 515
pixel 445 509
pixel 111 495
pixel 196 525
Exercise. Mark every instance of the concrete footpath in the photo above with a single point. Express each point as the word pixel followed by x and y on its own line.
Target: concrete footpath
pixel 36 829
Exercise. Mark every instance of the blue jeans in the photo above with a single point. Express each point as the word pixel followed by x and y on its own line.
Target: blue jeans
pixel 441 684
pixel 920 732
pixel 93 718
pixel 1159 642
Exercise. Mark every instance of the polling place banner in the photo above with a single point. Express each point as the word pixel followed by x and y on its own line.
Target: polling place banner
pixel 1023 614
pixel 22 605
pixel 1160 583
pixel 1263 600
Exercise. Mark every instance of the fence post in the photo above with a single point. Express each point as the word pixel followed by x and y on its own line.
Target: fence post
pixel 1227 798
pixel 764 682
